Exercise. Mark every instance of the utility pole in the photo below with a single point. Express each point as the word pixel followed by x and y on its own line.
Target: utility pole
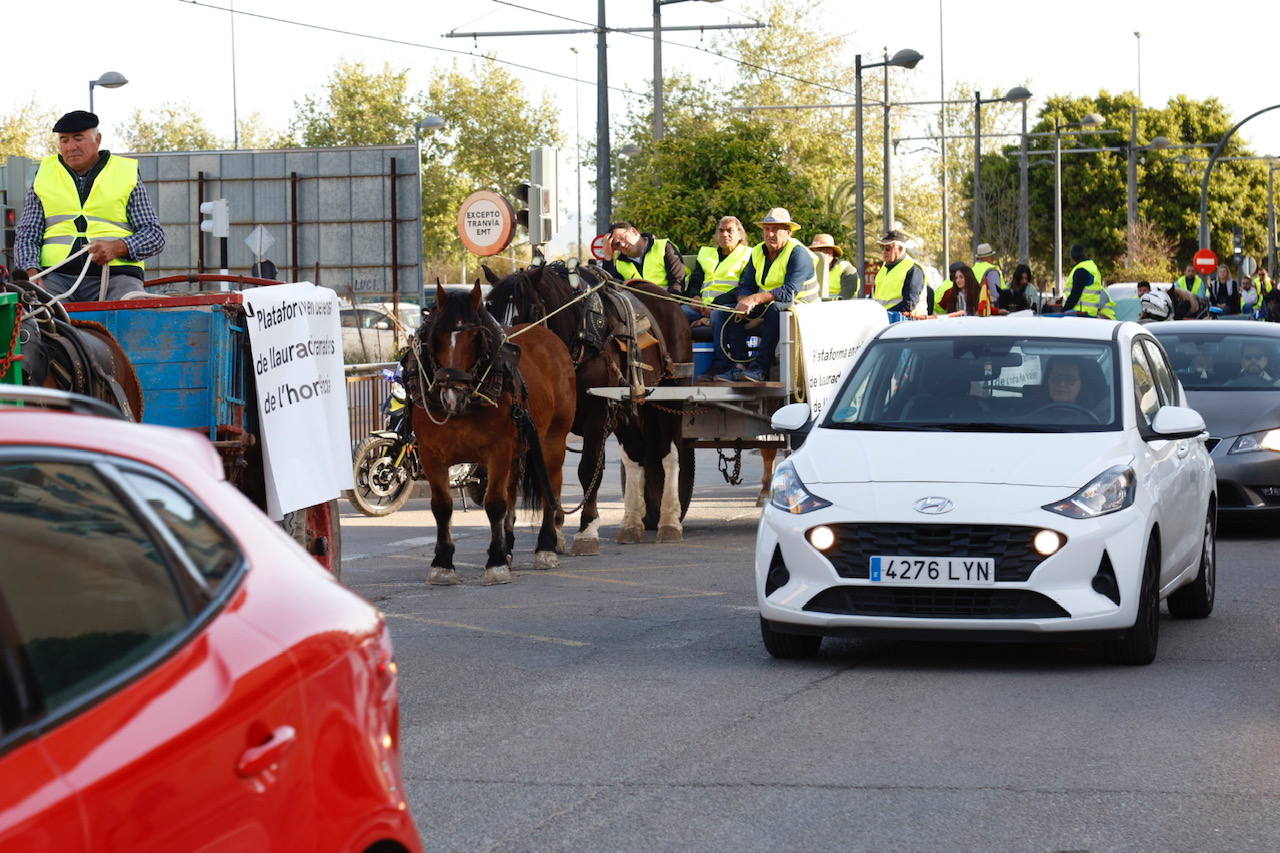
pixel 604 155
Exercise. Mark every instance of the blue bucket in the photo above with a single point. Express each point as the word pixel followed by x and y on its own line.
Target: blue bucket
pixel 702 351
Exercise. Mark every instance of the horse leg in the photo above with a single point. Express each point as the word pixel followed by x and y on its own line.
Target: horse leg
pixel 768 456
pixel 499 506
pixel 632 529
pixel 669 527
pixel 550 536
pixel 441 572
pixel 590 470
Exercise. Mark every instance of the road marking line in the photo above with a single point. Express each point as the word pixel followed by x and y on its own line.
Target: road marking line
pixel 596 601
pixel 595 579
pixel 446 624
pixel 412 542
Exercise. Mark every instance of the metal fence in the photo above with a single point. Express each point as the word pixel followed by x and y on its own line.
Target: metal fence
pixel 366 389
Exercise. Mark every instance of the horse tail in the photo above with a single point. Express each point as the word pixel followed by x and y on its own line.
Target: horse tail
pixel 535 481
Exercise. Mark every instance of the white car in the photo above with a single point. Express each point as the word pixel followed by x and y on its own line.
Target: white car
pixel 1020 478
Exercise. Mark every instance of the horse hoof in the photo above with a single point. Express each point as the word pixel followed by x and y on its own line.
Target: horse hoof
pixel 762 499
pixel 629 534
pixel 496 575
pixel 441 576
pixel 585 547
pixel 670 533
pixel 546 560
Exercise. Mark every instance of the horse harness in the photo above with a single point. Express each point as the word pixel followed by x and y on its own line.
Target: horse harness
pixel 55 344
pixel 496 371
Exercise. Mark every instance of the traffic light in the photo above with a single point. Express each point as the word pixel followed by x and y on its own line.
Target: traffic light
pixel 1237 243
pixel 9 217
pixel 530 199
pixel 218 221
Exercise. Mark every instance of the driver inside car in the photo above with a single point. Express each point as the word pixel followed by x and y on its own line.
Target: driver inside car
pixel 1064 381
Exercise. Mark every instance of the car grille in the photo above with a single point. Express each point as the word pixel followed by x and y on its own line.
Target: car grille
pixel 1231 496
pixel 935 603
pixel 1009 546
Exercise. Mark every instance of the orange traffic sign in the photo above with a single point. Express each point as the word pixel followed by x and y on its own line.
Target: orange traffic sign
pixel 486 222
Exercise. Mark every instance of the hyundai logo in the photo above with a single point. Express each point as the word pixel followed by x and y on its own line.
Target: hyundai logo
pixel 933 505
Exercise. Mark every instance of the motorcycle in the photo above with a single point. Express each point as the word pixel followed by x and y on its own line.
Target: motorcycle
pixel 386 462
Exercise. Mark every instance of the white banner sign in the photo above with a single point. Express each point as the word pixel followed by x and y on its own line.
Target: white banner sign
pixel 302 395
pixel 831 334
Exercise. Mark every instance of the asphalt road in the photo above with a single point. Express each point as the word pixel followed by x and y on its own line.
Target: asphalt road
pixel 624 702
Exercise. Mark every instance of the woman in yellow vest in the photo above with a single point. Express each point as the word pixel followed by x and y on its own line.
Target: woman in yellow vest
pixel 780 271
pixel 86 195
pixel 718 268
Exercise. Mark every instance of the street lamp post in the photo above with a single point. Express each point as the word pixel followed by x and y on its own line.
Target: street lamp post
pixel 577 142
pixel 1208 170
pixel 110 80
pixel 1271 221
pixel 658 129
pixel 1024 207
pixel 1016 95
pixel 905 58
pixel 1131 179
pixel 1091 120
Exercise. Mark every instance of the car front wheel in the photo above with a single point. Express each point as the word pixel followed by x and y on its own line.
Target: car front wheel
pixel 788 646
pixel 1195 600
pixel 1137 646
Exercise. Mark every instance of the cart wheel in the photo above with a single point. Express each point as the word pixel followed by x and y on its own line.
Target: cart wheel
pixel 319 531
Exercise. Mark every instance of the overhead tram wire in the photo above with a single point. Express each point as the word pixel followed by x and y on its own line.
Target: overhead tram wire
pixel 403 42
pixel 706 50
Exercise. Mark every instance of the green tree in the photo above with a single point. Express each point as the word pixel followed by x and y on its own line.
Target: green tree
pixel 255 133
pixel 25 132
pixel 171 127
pixel 358 107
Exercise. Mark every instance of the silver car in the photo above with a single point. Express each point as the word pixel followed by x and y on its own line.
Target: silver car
pixel 1231 373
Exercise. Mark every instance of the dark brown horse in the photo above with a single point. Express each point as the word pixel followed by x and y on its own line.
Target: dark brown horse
pixel 74 355
pixel 509 406
pixel 658 473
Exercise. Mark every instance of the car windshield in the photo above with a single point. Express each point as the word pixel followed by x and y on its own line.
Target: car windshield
pixel 981 384
pixel 1216 361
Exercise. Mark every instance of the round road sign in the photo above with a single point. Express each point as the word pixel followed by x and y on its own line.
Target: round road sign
pixel 485 223
pixel 597 247
pixel 1205 261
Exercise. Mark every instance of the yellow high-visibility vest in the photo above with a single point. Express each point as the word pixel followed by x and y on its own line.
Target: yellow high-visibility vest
pixel 831 287
pixel 980 269
pixel 1095 300
pixel 654 267
pixel 889 284
pixel 103 215
pixel 1194 284
pixel 777 275
pixel 720 275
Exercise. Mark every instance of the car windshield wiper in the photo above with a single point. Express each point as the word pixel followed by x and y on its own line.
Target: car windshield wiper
pixel 898 427
pixel 992 426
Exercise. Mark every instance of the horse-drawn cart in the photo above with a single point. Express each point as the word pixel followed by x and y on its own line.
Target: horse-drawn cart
pixel 193 359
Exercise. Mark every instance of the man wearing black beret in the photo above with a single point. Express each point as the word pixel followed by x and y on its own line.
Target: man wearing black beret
pixel 86 195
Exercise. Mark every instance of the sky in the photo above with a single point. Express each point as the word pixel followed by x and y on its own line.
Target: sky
pixel 181 52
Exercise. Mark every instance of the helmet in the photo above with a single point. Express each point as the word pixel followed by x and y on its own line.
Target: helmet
pixel 1156 305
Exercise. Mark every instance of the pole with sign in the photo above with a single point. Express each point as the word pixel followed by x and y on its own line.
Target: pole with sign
pixel 1205 261
pixel 486 222
pixel 597 247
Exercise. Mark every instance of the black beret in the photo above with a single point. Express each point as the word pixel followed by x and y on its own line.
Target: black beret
pixel 75 121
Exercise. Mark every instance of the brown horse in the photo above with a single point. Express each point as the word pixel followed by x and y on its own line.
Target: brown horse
pixel 74 355
pixel 508 405
pixel 658 471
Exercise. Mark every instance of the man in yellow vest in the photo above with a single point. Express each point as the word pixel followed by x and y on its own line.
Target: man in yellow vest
pixel 1088 295
pixel 1193 283
pixel 987 273
pixel 780 271
pixel 900 282
pixel 86 195
pixel 842 279
pixel 637 255
pixel 718 269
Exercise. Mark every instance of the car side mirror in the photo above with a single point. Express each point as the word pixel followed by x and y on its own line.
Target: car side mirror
pixel 382 325
pixel 791 418
pixel 1177 422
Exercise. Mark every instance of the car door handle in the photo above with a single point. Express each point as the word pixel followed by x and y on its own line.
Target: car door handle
pixel 255 759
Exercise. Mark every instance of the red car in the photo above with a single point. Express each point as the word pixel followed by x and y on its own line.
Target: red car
pixel 175 672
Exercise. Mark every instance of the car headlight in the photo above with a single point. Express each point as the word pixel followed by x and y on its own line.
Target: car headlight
pixel 1267 439
pixel 788 493
pixel 1110 491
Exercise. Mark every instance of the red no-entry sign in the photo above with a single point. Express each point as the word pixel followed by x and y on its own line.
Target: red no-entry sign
pixel 1205 261
pixel 597 247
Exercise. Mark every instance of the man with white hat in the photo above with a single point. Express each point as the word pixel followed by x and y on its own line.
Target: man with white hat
pixel 987 273
pixel 780 271
pixel 84 195
pixel 842 279
pixel 900 280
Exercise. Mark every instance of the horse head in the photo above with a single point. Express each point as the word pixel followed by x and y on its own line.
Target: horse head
pixel 459 344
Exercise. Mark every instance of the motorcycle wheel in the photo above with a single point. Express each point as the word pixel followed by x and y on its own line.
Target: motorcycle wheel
pixel 381 488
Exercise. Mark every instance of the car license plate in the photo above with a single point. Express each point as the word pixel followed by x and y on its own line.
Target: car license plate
pixel 940 571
